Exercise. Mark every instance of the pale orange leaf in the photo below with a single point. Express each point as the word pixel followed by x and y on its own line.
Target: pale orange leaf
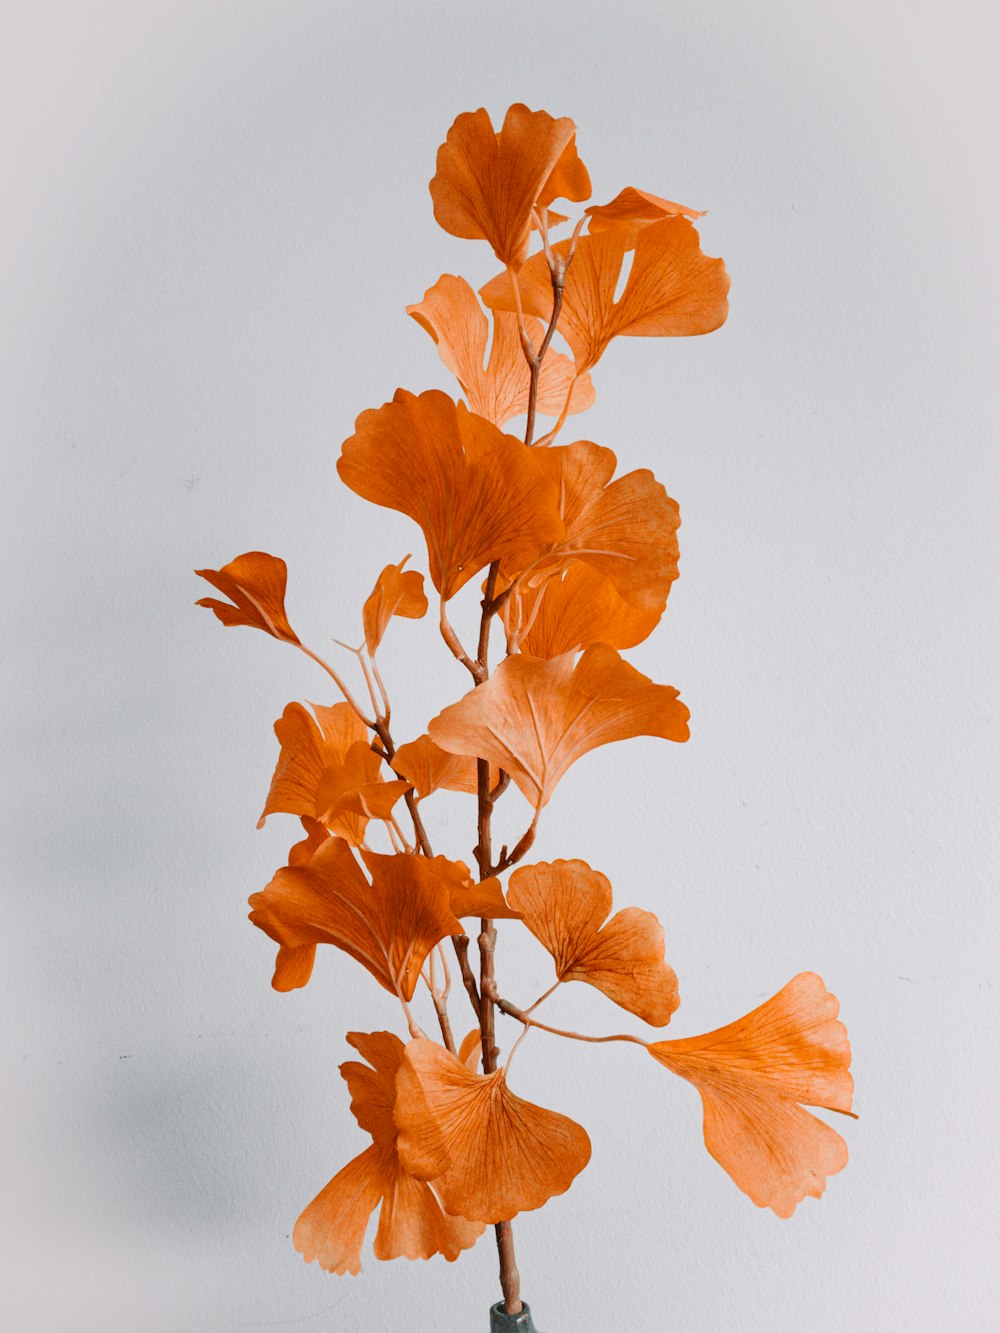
pixel 535 718
pixel 450 312
pixel 753 1075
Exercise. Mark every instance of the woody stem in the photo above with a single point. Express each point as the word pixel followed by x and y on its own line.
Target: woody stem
pixel 510 1280
pixel 460 942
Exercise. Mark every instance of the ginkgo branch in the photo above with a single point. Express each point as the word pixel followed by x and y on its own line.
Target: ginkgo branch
pixel 369 722
pixel 439 996
pixel 475 669
pixel 522 1016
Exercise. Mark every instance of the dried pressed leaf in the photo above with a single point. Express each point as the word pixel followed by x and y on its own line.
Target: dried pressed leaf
pixel 450 312
pixel 535 718
pixel 673 290
pixel 255 583
pixel 412 1223
pixel 753 1074
pixel 487 183
pixel 490 1154
pixel 389 925
pixel 572 609
pixel 565 905
pixel 397 592
pixel 477 494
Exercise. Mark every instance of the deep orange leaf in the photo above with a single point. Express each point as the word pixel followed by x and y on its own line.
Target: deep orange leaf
pixel 483 899
pixel 535 718
pixel 626 529
pixel 326 770
pixel 352 792
pixel 631 210
pixel 450 312
pixel 397 592
pixel 471 1050
pixel 565 905
pixel 308 747
pixel 429 768
pixel 412 1223
pixel 389 925
pixel 569 178
pixel 478 494
pixel 255 583
pixel 673 290
pixel 753 1074
pixel 490 1154
pixel 487 183
pixel 572 609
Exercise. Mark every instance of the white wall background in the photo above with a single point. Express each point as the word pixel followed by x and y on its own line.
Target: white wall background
pixel 213 215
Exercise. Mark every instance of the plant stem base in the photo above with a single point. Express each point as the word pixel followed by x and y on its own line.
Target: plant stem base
pixel 502 1322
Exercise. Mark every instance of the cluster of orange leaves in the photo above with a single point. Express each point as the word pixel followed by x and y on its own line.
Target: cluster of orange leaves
pixel 583 563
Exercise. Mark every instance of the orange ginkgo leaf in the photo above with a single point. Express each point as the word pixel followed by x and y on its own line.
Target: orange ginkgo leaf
pixel 255 584
pixel 625 528
pixel 412 1223
pixel 483 898
pixel 397 592
pixel 490 1154
pixel 478 494
pixel 295 962
pixel 471 1050
pixel 569 179
pixel 450 312
pixel 389 925
pixel 326 770
pixel 753 1075
pixel 352 792
pixel 633 209
pixel 535 718
pixel 572 609
pixel 308 747
pixel 565 905
pixel 487 183
pixel 428 768
pixel 673 290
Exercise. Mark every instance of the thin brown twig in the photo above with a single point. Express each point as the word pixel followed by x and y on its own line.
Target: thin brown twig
pixel 369 722
pixel 521 1015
